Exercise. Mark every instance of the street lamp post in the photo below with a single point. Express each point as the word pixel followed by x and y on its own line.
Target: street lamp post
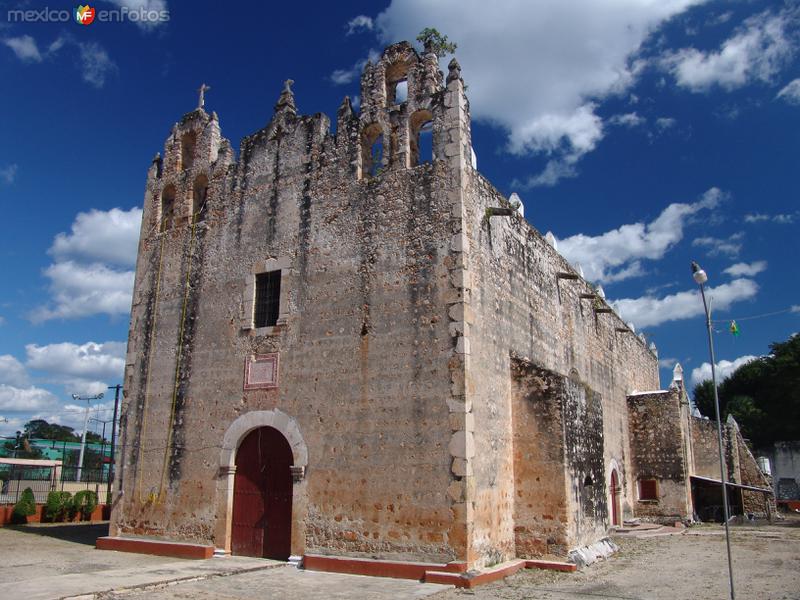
pixel 85 426
pixel 103 454
pixel 700 278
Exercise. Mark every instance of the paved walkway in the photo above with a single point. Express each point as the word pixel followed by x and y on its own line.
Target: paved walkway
pixel 290 583
pixel 45 562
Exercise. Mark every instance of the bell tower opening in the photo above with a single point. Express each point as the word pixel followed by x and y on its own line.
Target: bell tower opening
pixel 396 83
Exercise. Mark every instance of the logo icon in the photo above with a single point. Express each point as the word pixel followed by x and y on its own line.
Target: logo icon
pixel 84 15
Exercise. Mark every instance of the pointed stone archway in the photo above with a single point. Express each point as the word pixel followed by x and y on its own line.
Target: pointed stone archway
pixel 615 493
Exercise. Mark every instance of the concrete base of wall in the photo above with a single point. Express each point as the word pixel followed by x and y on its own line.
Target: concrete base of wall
pixel 155 547
pixel 454 573
pixel 501 571
pixel 377 568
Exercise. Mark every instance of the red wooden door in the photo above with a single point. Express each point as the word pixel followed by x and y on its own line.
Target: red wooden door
pixel 614 498
pixel 262 496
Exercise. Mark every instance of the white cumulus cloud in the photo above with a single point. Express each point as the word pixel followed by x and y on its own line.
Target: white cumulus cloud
pixel 628 120
pixel 84 369
pixel 12 372
pixel 80 290
pixel 151 6
pixel 664 123
pixel 90 360
pixel 92 272
pixel 21 399
pixel 359 23
pixel 746 269
pixel 650 311
pixel 756 52
pixel 781 219
pixel 25 48
pixel 791 92
pixel 536 69
pixel 95 64
pixel 730 246
pixel 723 367
pixel 110 236
pixel 615 255
pixel 8 173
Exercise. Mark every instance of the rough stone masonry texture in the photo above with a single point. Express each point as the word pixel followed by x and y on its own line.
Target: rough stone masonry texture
pixel 451 389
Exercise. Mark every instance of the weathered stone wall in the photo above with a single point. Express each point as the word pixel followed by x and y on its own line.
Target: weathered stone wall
pixel 364 339
pixel 519 305
pixel 658 451
pixel 705 448
pixel 742 467
pixel 745 470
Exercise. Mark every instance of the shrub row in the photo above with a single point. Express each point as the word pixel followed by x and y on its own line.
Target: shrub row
pixel 60 505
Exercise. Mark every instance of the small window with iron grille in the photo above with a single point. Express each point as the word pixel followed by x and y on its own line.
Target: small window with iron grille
pixel 268 297
pixel 648 489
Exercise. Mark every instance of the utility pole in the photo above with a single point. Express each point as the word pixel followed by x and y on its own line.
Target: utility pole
pixel 112 468
pixel 85 426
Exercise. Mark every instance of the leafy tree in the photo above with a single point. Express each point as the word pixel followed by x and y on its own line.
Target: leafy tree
pixel 92 463
pixel 41 429
pixel 703 395
pixel 435 42
pixel 762 395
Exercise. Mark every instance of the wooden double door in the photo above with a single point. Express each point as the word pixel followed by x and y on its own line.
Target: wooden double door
pixel 262 496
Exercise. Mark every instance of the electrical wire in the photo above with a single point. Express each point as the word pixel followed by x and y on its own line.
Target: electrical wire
pixel 761 316
pixel 151 351
pixel 178 356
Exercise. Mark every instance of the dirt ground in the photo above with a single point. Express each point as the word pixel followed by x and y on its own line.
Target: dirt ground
pixel 45 562
pixel 766 562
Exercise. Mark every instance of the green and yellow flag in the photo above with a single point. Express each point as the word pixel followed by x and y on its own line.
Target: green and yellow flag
pixel 734 329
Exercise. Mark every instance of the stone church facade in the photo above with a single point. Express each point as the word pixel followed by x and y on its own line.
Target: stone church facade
pixel 351 344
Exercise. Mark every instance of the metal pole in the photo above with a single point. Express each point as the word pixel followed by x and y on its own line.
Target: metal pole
pixel 722 466
pixel 112 464
pixel 83 441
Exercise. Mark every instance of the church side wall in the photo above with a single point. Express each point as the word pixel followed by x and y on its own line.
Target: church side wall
pixel 520 306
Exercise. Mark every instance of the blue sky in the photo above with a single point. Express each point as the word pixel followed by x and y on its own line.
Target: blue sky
pixel 642 135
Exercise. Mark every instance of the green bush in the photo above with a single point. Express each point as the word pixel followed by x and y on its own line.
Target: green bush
pixel 84 502
pixel 25 507
pixel 58 505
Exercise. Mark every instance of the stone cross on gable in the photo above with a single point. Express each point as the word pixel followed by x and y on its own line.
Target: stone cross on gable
pixel 203 89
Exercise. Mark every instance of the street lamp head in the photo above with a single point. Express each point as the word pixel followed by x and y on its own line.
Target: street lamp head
pixel 100 396
pixel 698 274
pixel 75 396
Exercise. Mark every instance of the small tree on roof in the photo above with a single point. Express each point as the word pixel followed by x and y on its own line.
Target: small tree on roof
pixel 435 42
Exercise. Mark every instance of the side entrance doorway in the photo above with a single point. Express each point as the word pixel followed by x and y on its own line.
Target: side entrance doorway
pixel 615 494
pixel 262 496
